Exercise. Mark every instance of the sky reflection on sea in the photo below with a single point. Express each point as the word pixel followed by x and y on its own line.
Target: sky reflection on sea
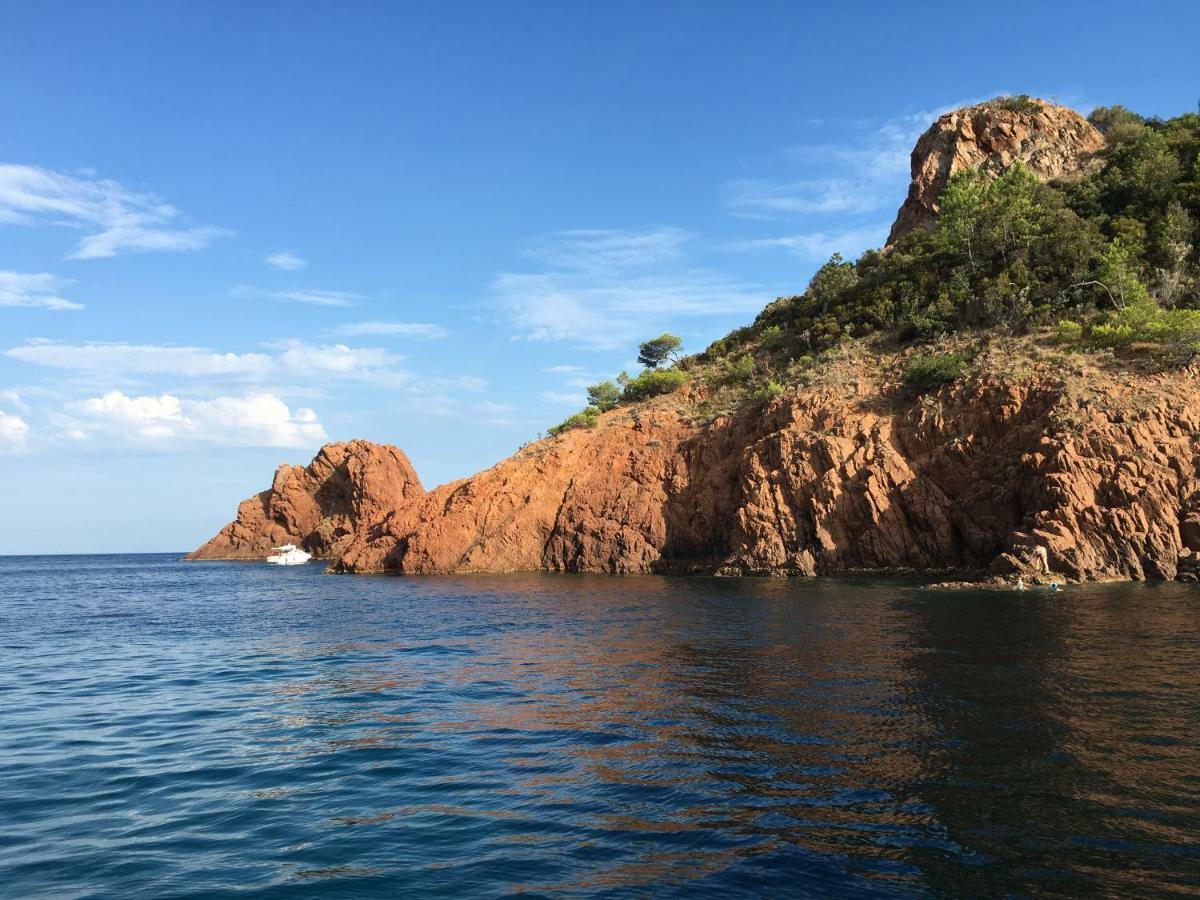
pixel 200 729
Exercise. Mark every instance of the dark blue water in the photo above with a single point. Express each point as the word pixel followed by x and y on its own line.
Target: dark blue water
pixel 172 729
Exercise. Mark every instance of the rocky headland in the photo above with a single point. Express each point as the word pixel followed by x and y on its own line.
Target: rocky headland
pixel 1027 453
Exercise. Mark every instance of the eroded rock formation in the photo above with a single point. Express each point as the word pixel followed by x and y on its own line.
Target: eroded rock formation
pixel 1053 141
pixel 1104 477
pixel 322 506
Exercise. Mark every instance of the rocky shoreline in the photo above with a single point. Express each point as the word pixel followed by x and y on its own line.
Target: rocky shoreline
pixel 1100 471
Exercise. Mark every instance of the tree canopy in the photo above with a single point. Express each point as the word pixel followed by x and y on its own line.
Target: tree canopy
pixel 656 351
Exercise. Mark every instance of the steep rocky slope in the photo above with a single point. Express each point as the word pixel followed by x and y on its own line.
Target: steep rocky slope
pixel 320 507
pixel 1100 468
pixel 1052 141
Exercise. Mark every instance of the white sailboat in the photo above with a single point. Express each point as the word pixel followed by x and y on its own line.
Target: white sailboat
pixel 289 555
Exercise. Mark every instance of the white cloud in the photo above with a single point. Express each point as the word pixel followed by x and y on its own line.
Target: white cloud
pixel 142 359
pixel 565 370
pixel 289 262
pixel 340 361
pixel 497 415
pixel 606 312
pixel 13 399
pixel 602 250
pixel 607 287
pixel 868 172
pixel 252 420
pixel 306 296
pixel 566 399
pixel 819 245
pixel 13 432
pixel 117 218
pixel 290 367
pixel 292 358
pixel 764 198
pixel 33 289
pixel 406 329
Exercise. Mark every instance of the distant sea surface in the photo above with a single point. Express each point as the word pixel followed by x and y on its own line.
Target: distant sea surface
pixel 173 729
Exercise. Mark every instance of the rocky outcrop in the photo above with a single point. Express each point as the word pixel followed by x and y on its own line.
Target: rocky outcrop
pixel 1103 478
pixel 1053 141
pixel 1057 473
pixel 322 507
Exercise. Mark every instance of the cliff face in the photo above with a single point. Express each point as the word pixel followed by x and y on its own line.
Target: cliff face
pixel 1052 141
pixel 1105 477
pixel 320 507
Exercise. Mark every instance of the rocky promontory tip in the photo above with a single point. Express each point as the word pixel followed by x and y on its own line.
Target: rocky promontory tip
pixel 319 507
pixel 1051 141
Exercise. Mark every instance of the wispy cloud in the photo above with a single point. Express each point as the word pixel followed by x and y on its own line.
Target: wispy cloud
pixel 141 359
pixel 835 191
pixel 13 432
pixel 33 289
pixel 399 329
pixel 565 398
pixel 373 364
pixel 497 415
pixel 296 295
pixel 765 198
pixel 251 420
pixel 291 361
pixel 287 261
pixel 282 368
pixel 818 245
pixel 609 312
pixel 606 288
pixel 117 218
pixel 13 398
pixel 605 249
pixel 867 171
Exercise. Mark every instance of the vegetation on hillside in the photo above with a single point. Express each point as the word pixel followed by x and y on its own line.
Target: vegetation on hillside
pixel 1106 261
pixel 651 382
pixel 1114 253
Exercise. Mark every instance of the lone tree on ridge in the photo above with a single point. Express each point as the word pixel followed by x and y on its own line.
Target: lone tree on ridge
pixel 654 352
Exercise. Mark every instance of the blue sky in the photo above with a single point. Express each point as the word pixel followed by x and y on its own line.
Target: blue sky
pixel 230 232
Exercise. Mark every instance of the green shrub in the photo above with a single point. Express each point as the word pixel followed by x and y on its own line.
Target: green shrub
pixel 585 418
pixel 653 382
pixel 1175 331
pixel 1069 332
pixel 738 370
pixel 1017 103
pixel 772 337
pixel 722 347
pixel 930 371
pixel 604 396
pixel 769 391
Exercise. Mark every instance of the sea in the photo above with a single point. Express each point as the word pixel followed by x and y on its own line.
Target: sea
pixel 173 729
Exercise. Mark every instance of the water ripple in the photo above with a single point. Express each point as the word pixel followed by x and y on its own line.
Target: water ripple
pixel 174 730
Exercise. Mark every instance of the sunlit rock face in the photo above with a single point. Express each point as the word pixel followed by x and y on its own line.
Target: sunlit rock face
pixel 1052 141
pixel 1099 472
pixel 318 507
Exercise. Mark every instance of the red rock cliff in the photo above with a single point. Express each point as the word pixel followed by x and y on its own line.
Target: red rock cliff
pixel 1104 476
pixel 320 507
